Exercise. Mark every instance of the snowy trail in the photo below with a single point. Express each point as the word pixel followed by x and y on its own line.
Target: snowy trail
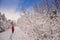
pixel 5 35
pixel 18 35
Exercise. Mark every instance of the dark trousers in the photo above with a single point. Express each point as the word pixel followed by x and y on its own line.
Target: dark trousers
pixel 12 31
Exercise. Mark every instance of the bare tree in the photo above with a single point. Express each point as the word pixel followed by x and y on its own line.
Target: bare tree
pixel 52 13
pixel 56 3
pixel 48 7
pixel 39 8
pixel 25 11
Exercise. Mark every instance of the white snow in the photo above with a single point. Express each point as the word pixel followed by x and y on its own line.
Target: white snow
pixel 18 35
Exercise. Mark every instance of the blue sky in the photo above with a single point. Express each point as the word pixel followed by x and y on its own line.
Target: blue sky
pixel 27 3
pixel 12 8
pixel 17 4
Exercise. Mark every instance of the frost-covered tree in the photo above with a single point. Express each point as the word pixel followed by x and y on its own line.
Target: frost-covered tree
pixel 39 27
pixel 52 7
pixel 4 24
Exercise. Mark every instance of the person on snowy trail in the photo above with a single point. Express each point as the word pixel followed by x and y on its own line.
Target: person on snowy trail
pixel 12 28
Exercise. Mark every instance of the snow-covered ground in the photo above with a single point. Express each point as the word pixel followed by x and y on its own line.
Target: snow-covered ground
pixel 18 35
